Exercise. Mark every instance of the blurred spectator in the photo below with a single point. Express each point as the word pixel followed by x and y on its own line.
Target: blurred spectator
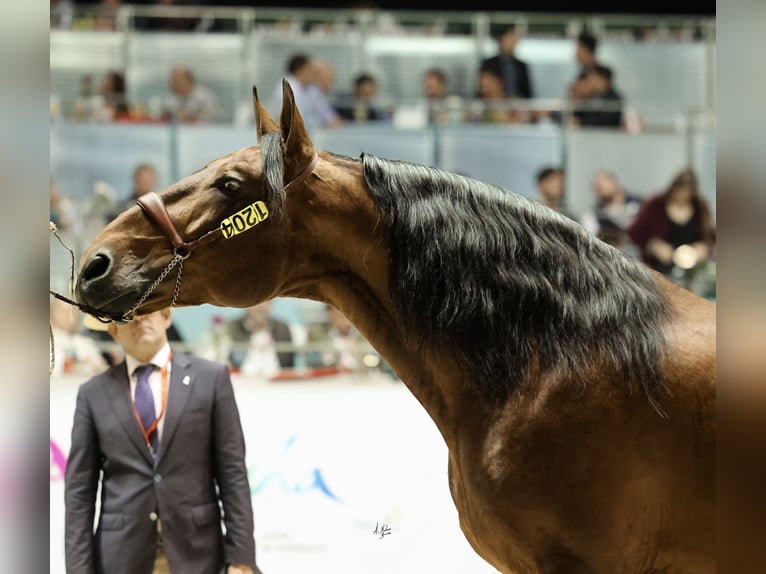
pixel 108 104
pixel 144 181
pixel 550 189
pixel 675 228
pixel 495 107
pixel 83 104
pixel 613 211
pixel 324 76
pixel 435 93
pixel 105 17
pixel 513 71
pixel 253 336
pixel 342 344
pixel 599 82
pixel 62 14
pixel 359 106
pixel 316 110
pixel 63 211
pixel 435 84
pixel 74 352
pixel 585 51
pixel 191 102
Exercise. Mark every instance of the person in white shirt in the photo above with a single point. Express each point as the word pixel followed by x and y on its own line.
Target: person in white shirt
pixel 191 102
pixel 316 110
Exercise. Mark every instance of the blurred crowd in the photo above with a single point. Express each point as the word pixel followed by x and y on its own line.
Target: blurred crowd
pixel 504 94
pixel 671 230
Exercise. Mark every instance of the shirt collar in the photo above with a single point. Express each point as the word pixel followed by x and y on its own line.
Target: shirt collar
pixel 159 360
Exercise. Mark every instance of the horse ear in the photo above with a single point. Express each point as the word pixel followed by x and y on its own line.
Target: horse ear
pixel 263 121
pixel 298 146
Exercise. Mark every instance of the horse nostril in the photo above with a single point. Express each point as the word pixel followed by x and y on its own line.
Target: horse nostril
pixel 96 267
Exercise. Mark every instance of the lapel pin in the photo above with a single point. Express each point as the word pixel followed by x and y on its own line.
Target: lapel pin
pixel 186 380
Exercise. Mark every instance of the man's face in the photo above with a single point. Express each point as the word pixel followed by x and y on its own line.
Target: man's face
pixel 144 181
pixel 552 187
pixel 605 188
pixel 508 42
pixel 433 87
pixel 144 335
pixel 180 83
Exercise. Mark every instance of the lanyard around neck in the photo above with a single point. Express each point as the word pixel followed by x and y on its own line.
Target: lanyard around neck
pixel 164 373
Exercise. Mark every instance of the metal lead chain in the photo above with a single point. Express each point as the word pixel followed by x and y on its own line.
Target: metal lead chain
pixel 177 260
pixel 178 281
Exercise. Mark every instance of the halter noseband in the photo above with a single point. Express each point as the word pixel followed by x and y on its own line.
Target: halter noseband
pixel 154 208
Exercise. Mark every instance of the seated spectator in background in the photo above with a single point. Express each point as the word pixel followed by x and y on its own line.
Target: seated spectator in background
pixel 63 211
pixel 253 336
pixel 324 76
pixel 115 97
pixel 105 17
pixel 342 343
pixel 144 181
pixel 359 106
pixel 109 104
pixel 550 189
pixel 74 352
pixel 62 14
pixel 435 84
pixel 613 211
pixel 600 92
pixel 676 223
pixel 495 107
pixel 513 72
pixel 191 102
pixel 316 110
pixel 435 93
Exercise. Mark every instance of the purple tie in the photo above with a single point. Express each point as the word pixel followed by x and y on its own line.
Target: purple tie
pixel 145 402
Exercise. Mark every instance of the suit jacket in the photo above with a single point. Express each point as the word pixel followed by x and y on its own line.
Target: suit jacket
pixel 199 463
pixel 523 82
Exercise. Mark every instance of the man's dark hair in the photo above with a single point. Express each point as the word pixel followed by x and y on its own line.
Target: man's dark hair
pixel 438 73
pixel 588 41
pixel 296 62
pixel 548 171
pixel 364 79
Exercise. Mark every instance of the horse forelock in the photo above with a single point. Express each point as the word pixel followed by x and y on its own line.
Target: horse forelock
pixel 512 284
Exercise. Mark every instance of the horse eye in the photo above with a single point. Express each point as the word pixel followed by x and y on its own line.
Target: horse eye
pixel 228 185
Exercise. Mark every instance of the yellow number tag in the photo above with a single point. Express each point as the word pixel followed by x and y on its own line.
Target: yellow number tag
pixel 244 219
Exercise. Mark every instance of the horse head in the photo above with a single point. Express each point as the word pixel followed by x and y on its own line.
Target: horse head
pixel 223 222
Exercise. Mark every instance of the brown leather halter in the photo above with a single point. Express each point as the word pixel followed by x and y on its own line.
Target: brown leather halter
pixel 155 210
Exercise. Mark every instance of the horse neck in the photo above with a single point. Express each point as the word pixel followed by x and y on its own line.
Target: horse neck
pixel 339 256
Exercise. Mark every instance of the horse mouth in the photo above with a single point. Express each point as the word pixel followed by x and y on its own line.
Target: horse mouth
pixel 106 304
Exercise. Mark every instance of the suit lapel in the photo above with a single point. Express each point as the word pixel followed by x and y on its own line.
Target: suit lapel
pixel 179 387
pixel 118 392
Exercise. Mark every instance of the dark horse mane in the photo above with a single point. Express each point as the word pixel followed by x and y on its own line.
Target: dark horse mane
pixel 509 283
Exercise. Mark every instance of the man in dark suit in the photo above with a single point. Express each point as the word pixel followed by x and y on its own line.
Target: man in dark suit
pixel 161 433
pixel 515 72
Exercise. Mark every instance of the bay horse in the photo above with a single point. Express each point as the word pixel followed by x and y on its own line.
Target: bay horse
pixel 573 386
